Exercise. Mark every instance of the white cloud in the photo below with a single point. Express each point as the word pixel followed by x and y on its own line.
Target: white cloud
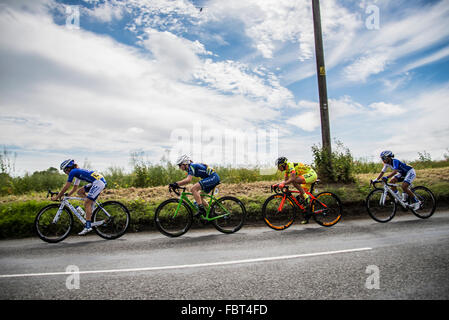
pixel 375 50
pixel 73 90
pixel 106 12
pixel 387 108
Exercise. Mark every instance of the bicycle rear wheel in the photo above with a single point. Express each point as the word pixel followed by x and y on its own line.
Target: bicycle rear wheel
pixel 233 212
pixel 51 228
pixel 380 209
pixel 113 218
pixel 428 202
pixel 326 209
pixel 276 217
pixel 173 217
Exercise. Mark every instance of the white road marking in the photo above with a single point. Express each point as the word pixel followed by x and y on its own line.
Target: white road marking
pixel 187 266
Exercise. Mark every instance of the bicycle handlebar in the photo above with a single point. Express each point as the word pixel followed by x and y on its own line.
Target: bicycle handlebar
pixel 276 188
pixel 51 193
pixel 374 182
pixel 176 189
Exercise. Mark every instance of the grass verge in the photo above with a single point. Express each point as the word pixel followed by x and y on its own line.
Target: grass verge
pixel 17 213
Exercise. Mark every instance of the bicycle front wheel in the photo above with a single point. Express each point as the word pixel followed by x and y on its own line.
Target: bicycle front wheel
pixel 380 209
pixel 173 217
pixel 110 220
pixel 232 212
pixel 278 214
pixel 326 209
pixel 52 225
pixel 428 202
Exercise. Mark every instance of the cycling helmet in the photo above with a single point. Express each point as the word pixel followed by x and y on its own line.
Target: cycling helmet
pixel 183 160
pixel 386 154
pixel 67 164
pixel 281 160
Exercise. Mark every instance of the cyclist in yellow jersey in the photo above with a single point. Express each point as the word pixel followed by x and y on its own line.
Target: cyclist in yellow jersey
pixel 299 174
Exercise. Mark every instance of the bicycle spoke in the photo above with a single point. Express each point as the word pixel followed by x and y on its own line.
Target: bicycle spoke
pixel 427 200
pixel 232 212
pixel 111 220
pixel 173 218
pixel 381 208
pixel 51 229
pixel 326 209
pixel 278 213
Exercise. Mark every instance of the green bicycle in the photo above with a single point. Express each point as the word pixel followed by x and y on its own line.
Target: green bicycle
pixel 174 216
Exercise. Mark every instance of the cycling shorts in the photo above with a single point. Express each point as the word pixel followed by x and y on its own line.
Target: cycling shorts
pixel 408 177
pixel 94 189
pixel 209 183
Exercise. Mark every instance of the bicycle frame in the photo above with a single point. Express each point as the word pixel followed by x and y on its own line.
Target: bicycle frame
pixel 287 192
pixel 387 189
pixel 66 203
pixel 212 200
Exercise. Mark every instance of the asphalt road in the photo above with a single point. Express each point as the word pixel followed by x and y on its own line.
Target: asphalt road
pixel 407 258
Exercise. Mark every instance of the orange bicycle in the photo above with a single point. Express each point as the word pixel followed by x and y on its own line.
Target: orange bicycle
pixel 280 209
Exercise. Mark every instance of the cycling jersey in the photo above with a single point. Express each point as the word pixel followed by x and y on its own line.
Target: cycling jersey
pixel 200 170
pixel 401 167
pixel 210 178
pixel 297 168
pixel 85 175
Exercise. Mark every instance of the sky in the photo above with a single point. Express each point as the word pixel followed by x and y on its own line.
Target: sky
pixel 227 82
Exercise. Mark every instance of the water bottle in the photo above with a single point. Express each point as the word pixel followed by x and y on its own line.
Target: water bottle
pixel 404 197
pixel 81 211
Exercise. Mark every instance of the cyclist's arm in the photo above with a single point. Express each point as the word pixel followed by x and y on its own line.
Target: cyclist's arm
pixel 290 179
pixel 62 192
pixel 394 172
pixel 185 181
pixel 75 187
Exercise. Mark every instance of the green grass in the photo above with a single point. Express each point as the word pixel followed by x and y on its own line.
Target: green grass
pixel 17 212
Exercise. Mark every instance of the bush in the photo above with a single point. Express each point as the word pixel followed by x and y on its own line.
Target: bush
pixel 336 167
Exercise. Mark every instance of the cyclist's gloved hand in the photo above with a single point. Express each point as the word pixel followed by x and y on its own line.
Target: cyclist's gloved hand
pixel 173 185
pixel 281 185
pixel 385 179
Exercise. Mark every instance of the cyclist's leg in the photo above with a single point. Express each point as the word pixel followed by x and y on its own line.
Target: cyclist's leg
pixel 409 177
pixel 94 189
pixel 196 194
pixel 395 179
pixel 298 183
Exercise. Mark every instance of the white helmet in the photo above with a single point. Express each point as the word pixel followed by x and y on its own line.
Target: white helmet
pixel 183 160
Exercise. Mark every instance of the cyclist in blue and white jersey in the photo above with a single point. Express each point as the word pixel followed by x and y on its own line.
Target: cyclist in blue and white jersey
pixel 401 172
pixel 96 184
pixel 210 180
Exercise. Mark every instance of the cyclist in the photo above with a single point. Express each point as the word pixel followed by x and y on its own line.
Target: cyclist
pixel 401 172
pixel 209 177
pixel 300 175
pixel 96 184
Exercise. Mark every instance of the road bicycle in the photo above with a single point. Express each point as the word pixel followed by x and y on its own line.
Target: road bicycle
pixel 174 216
pixel 280 209
pixel 382 203
pixel 53 223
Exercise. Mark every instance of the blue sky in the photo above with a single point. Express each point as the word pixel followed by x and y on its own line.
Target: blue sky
pixel 134 74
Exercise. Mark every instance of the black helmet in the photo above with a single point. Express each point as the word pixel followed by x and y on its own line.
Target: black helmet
pixel 281 160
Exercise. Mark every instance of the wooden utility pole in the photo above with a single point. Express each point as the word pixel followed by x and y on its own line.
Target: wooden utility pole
pixel 321 74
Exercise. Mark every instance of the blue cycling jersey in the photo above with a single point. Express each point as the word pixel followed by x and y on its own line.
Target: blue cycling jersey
pixel 85 175
pixel 401 167
pixel 200 170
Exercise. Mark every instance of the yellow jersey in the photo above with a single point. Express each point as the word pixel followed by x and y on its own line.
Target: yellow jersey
pixel 297 168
